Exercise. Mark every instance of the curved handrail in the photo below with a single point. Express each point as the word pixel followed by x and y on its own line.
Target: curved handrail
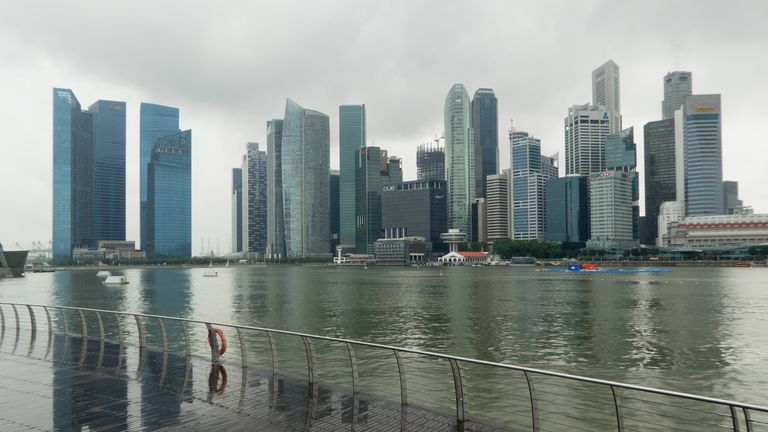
pixel 452 359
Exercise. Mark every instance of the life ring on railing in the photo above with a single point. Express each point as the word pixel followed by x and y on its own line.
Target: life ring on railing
pixel 213 379
pixel 222 338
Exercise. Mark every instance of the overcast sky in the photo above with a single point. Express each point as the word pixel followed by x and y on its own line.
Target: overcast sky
pixel 229 66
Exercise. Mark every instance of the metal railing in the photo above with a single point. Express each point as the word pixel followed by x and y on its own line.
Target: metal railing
pixel 525 398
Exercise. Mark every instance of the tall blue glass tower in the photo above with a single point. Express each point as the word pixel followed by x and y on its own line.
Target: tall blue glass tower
pixel 72 175
pixel 169 197
pixel 352 130
pixel 485 120
pixel 156 121
pixel 306 181
pixel 108 213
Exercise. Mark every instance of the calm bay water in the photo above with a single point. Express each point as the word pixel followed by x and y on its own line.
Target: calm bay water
pixel 698 330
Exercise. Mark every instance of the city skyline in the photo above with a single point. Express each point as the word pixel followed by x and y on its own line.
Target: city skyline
pixel 224 112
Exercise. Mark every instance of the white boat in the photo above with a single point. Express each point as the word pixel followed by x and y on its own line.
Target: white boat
pixel 115 280
pixel 211 273
pixel 103 274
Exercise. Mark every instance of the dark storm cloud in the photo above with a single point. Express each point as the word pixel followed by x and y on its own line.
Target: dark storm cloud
pixel 230 65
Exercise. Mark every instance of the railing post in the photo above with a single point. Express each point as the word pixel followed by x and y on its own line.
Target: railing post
pixel 619 420
pixel 458 385
pixel 119 342
pixel 273 351
pixel 102 340
pixel 2 325
pixel 534 405
pixel 33 336
pixel 187 348
pixel 164 337
pixel 142 344
pixel 18 330
pixel 213 342
pixel 401 374
pixel 83 336
pixel 309 347
pixel 734 418
pixel 355 399
pixel 747 419
pixel 243 349
pixel 50 332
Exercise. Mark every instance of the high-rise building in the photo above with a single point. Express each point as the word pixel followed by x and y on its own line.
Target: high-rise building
pixel 677 86
pixel 156 121
pixel 497 206
pixel 731 201
pixel 255 200
pixel 550 166
pixel 479 219
pixel 485 121
pixel 306 181
pixel 586 127
pixel 606 93
pixel 237 210
pixel 621 155
pixel 335 225
pixel 374 172
pixel 568 210
pixel 659 149
pixel 415 209
pixel 528 188
pixel 72 175
pixel 610 210
pixel 352 136
pixel 430 162
pixel 275 226
pixel 88 173
pixel 108 218
pixel 459 158
pixel 169 197
pixel 702 155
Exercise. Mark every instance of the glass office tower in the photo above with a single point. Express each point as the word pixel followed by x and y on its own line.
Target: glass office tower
pixel 275 227
pixel 108 170
pixel 72 175
pixel 255 200
pixel 352 136
pixel 156 121
pixel 485 120
pixel 306 181
pixel 237 210
pixel 568 210
pixel 169 197
pixel 459 159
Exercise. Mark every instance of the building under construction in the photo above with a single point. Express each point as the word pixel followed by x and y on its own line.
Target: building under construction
pixel 430 162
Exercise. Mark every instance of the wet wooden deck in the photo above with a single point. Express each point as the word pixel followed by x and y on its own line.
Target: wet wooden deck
pixel 74 389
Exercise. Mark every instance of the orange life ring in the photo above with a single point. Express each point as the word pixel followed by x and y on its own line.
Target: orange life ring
pixel 220 333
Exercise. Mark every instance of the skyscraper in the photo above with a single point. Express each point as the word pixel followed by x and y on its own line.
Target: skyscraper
pixel 731 200
pixel 586 127
pixel 156 121
pixel 169 197
pixel 528 190
pixel 621 155
pixel 486 136
pixel 237 210
pixel 352 136
pixel 610 209
pixel 108 170
pixel 430 162
pixel 88 173
pixel 568 210
pixel 677 86
pixel 335 225
pixel 606 92
pixel 306 181
pixel 703 155
pixel 497 206
pixel 255 197
pixel 275 221
pixel 459 159
pixel 72 175
pixel 415 209
pixel 374 171
pixel 659 146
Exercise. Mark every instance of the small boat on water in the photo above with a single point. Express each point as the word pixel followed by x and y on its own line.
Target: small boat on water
pixel 211 273
pixel 103 274
pixel 593 268
pixel 115 280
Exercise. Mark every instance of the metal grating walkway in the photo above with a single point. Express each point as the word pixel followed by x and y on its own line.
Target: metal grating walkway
pixel 119 391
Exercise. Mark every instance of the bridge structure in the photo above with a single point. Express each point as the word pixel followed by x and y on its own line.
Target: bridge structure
pixel 65 368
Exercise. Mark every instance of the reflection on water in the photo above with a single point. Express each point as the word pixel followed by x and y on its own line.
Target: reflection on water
pixel 696 330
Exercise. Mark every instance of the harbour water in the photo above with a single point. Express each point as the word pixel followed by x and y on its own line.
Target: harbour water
pixel 697 330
